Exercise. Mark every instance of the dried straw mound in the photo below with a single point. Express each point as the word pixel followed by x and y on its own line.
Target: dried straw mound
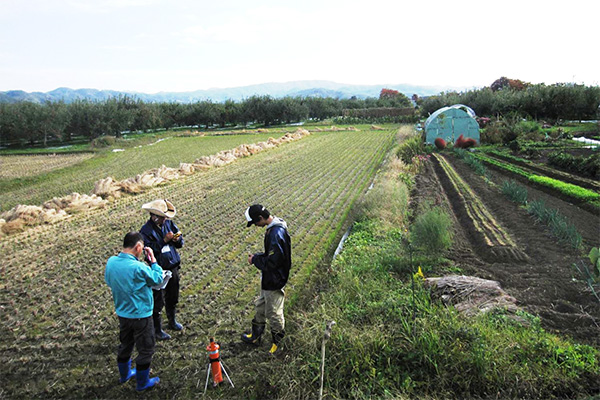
pixel 21 215
pixel 76 202
pixel 148 179
pixel 107 188
pixel 376 128
pixel 186 168
pixel 471 295
pixel 2 223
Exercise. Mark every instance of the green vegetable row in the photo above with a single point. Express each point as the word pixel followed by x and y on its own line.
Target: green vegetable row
pixel 577 192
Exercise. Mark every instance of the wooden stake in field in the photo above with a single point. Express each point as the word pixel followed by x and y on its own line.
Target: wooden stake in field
pixel 326 337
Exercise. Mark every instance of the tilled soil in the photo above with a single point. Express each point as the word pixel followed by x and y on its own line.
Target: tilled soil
pixel 545 283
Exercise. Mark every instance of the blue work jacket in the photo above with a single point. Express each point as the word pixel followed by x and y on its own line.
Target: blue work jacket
pixel 131 283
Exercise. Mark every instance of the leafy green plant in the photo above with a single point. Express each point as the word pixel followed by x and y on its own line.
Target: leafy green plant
pixel 411 147
pixel 577 192
pixel 514 191
pixel 567 188
pixel 476 165
pixel 460 153
pixel 594 257
pixel 589 166
pixel 557 223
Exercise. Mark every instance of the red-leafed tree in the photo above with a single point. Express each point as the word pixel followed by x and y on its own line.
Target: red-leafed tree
pixel 392 98
pixel 506 83
pixel 388 94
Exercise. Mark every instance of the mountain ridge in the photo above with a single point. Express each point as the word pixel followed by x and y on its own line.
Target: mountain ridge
pixel 306 88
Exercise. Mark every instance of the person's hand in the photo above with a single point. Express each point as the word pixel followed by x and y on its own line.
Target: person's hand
pixel 250 258
pixel 149 255
pixel 168 237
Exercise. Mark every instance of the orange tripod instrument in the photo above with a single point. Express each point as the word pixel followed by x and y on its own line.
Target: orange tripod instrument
pixel 215 361
pixel 215 365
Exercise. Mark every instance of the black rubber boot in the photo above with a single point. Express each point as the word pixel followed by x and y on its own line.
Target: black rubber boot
pixel 173 324
pixel 158 332
pixel 254 337
pixel 277 337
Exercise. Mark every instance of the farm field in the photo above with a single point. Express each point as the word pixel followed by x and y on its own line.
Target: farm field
pixel 59 330
pixel 59 333
pixel 81 175
pixel 533 266
pixel 24 166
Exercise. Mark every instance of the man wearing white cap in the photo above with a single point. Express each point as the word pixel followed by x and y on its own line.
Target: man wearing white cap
pixel 274 264
pixel 164 238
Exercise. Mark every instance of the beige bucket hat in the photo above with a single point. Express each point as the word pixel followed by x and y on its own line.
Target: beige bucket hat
pixel 162 208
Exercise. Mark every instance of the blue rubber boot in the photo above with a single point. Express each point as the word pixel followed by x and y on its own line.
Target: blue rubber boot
pixel 126 371
pixel 143 382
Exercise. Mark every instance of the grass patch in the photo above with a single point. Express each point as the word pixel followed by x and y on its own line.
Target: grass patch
pixel 431 231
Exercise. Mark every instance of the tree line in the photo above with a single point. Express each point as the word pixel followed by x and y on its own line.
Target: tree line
pixel 561 101
pixel 28 123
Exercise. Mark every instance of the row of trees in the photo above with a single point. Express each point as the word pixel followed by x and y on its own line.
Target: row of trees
pixel 28 123
pixel 549 102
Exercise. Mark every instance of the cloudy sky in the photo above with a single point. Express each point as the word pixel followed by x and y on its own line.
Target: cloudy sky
pixel 184 45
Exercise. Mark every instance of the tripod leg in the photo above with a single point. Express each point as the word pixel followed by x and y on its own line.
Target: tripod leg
pixel 207 376
pixel 226 374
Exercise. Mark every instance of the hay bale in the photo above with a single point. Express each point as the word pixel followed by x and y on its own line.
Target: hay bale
pixel 107 188
pixel 75 202
pixel 186 168
pixel 20 216
pixel 11 227
pixel 131 185
pixel 27 214
pixel 52 216
pixel 470 295
pixel 254 148
pixel 204 160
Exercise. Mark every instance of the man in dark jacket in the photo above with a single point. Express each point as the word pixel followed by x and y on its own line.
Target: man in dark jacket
pixel 274 265
pixel 164 238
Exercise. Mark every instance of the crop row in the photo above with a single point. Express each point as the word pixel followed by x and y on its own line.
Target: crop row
pixel 548 171
pixel 575 192
pixel 55 300
pixel 488 230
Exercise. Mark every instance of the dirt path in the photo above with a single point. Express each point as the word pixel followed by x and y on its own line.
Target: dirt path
pixel 543 284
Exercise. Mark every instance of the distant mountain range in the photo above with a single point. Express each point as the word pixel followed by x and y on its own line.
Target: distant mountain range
pixel 295 88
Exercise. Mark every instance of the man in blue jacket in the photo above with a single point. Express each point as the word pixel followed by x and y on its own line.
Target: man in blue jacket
pixel 131 284
pixel 164 238
pixel 274 264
